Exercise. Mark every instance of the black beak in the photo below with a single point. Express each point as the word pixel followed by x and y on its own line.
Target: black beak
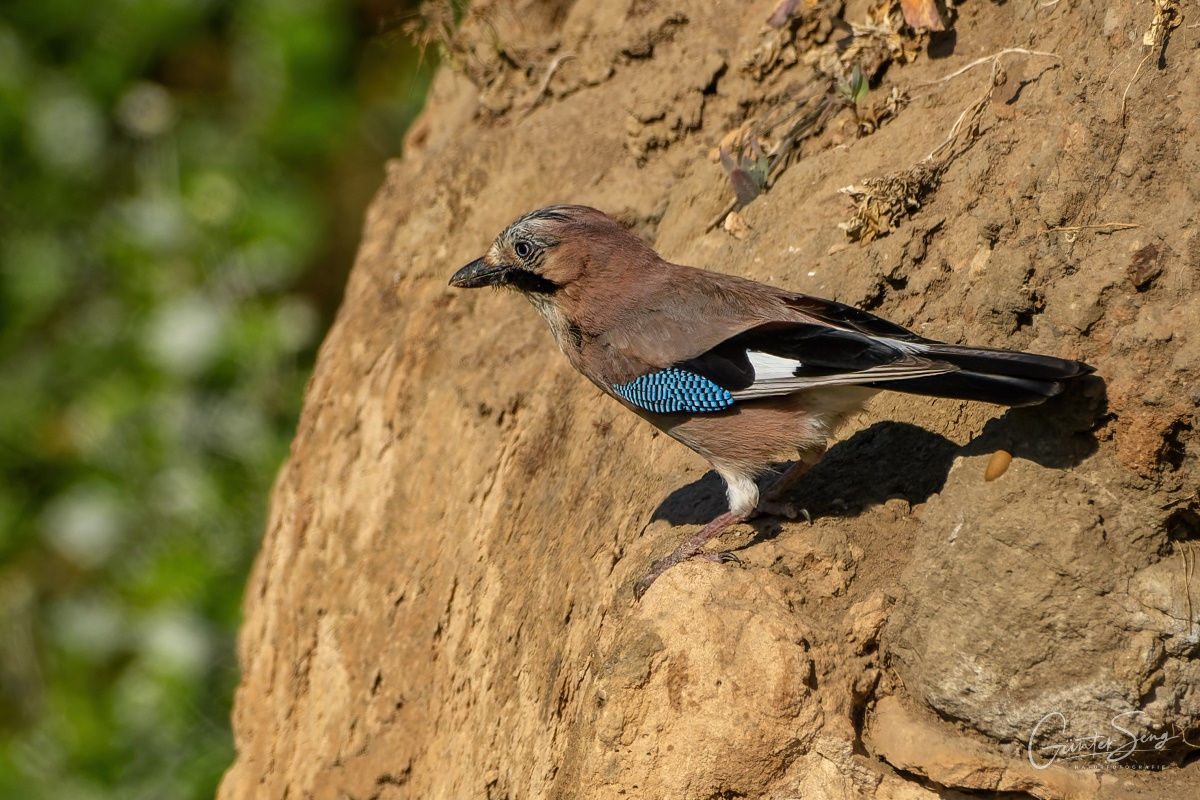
pixel 477 273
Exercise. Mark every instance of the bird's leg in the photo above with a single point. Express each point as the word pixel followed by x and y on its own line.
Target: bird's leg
pixel 690 549
pixel 773 503
pixel 770 504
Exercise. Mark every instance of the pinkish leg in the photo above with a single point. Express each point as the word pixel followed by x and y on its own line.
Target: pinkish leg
pixel 689 549
pixel 772 502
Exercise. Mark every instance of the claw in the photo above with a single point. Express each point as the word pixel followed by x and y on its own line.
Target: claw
pixel 687 550
pixel 663 564
pixel 779 509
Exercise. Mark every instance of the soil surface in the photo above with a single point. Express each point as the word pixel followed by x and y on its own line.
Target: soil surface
pixel 443 608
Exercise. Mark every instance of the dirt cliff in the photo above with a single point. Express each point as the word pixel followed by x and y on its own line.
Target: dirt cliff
pixel 442 607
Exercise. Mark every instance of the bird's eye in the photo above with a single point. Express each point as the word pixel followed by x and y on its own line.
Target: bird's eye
pixel 523 249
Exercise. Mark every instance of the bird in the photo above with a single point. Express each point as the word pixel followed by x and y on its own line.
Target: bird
pixel 746 374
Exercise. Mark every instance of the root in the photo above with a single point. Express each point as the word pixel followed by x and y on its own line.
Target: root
pixel 879 203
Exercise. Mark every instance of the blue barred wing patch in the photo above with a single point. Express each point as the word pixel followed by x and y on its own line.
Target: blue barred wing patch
pixel 675 390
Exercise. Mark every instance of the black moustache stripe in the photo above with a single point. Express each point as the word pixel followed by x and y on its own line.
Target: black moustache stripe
pixel 527 281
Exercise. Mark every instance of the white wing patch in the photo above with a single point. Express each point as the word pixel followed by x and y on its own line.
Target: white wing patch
pixel 768 367
pixel 768 387
pixel 905 347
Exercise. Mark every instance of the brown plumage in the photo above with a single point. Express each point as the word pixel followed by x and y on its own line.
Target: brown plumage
pixel 743 373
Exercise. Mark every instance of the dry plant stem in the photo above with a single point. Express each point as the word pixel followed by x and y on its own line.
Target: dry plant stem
pixel 1107 227
pixel 992 58
pixel 1166 19
pixel 730 206
pixel 1125 94
pixel 975 109
pixel 1187 580
pixel 554 65
pixel 803 128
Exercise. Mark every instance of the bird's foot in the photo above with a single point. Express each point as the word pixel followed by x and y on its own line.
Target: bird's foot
pixel 690 549
pixel 664 564
pixel 719 557
pixel 778 508
pixel 656 569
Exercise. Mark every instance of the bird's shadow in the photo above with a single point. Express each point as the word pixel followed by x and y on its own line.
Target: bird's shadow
pixel 897 459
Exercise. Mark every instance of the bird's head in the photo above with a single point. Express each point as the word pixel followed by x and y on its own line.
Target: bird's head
pixel 549 250
pixel 523 255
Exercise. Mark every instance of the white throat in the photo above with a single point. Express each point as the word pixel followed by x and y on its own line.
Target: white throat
pixel 554 318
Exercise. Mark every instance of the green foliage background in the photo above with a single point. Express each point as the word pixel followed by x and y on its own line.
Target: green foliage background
pixel 181 192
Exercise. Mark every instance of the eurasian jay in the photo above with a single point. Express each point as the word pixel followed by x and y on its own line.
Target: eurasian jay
pixel 745 374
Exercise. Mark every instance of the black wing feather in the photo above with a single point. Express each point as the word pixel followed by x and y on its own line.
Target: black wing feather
pixel 840 315
pixel 869 345
pixel 820 348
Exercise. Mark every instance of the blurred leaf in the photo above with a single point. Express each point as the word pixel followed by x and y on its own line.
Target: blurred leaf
pixel 854 90
pixel 748 175
pixel 858 85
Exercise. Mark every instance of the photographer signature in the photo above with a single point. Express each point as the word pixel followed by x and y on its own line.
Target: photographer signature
pixel 1113 748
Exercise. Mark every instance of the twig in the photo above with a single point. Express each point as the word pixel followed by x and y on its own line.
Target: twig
pixel 974 109
pixel 554 65
pixel 799 131
pixel 1112 227
pixel 805 127
pixel 1179 500
pixel 992 57
pixel 1125 95
pixel 1187 581
pixel 730 206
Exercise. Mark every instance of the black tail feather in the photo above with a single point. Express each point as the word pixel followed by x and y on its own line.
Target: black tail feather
pixel 1011 363
pixel 1006 377
pixel 1000 389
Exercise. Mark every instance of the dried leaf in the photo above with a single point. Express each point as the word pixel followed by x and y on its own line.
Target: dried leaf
pixel 1145 266
pixel 1166 18
pixel 783 12
pixel 880 202
pixel 922 15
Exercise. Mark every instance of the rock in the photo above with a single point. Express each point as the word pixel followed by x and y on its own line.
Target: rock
pixel 442 605
pixel 997 581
